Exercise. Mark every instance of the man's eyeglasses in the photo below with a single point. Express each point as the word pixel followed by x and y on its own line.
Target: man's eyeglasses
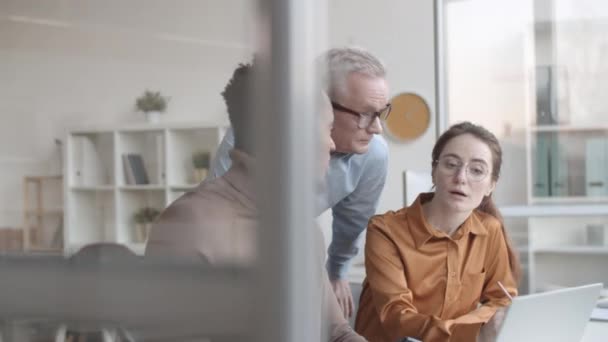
pixel 476 171
pixel 365 119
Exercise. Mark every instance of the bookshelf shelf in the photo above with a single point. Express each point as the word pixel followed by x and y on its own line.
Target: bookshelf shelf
pixel 570 200
pixel 105 187
pixel 566 146
pixel 141 187
pixel 586 250
pixel 93 188
pixel 555 210
pixel 568 128
pixel 183 187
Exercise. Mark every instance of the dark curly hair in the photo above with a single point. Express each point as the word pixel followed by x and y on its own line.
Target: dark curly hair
pixel 237 96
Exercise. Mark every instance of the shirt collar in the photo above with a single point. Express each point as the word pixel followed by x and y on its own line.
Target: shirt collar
pixel 422 231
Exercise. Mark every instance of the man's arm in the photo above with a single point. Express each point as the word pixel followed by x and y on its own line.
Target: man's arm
pixel 350 217
pixel 221 160
pixel 351 214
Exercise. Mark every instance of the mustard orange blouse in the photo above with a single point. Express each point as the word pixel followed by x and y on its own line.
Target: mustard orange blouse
pixel 425 284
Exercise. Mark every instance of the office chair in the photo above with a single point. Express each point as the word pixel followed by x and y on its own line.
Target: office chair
pixel 91 256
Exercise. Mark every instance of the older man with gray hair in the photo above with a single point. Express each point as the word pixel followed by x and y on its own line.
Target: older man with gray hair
pixel 358 91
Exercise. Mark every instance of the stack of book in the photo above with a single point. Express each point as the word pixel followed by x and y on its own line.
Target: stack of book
pixel 551 176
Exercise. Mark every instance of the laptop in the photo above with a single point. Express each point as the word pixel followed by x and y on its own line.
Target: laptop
pixel 554 316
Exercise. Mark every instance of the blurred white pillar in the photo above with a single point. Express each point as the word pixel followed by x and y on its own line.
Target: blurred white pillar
pixel 286 121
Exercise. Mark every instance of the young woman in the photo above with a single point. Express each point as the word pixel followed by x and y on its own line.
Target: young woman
pixel 436 270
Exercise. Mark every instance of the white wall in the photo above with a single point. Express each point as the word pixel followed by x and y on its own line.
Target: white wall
pixel 488 75
pixel 86 63
pixel 401 33
pixel 66 63
pixel 491 72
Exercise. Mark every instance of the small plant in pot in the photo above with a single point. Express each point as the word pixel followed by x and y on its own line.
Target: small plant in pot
pixel 152 104
pixel 200 161
pixel 143 219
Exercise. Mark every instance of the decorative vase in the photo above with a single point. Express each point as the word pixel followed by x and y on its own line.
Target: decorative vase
pixel 142 230
pixel 200 174
pixel 153 117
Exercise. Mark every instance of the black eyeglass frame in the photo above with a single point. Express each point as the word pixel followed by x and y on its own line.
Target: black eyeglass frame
pixel 382 114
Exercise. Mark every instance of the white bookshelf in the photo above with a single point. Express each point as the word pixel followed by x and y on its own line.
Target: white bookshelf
pixel 578 250
pixel 557 251
pixel 572 209
pixel 100 203
pixel 560 201
pixel 568 128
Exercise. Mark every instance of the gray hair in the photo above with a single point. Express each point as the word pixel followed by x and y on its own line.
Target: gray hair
pixel 341 62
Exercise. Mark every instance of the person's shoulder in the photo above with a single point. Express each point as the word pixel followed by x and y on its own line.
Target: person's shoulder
pixel 209 198
pixel 378 148
pixel 387 221
pixel 489 222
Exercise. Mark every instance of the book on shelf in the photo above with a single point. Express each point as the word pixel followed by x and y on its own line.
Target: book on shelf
pixel 135 169
pixel 541 165
pixel 596 160
pixel 546 107
pixel 558 164
pixel 129 178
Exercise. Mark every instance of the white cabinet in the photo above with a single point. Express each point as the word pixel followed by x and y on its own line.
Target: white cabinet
pixel 537 83
pixel 566 243
pixel 566 144
pixel 568 163
pixel 101 199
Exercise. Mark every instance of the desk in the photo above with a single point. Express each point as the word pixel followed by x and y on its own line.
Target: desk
pixel 594 332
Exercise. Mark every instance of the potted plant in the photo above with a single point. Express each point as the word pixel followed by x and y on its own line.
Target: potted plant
pixel 143 219
pixel 200 161
pixel 152 103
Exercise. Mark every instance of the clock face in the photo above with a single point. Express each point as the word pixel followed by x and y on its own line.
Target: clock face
pixel 410 117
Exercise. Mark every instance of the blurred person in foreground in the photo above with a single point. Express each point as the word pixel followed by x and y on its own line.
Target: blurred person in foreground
pixel 218 220
pixel 358 90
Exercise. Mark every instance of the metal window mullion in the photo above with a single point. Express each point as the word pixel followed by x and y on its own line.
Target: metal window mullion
pixel 286 145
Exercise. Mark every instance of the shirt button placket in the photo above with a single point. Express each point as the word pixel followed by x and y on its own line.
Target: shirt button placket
pixel 452 281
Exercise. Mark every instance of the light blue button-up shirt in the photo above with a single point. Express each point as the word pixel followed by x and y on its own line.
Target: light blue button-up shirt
pixel 354 185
